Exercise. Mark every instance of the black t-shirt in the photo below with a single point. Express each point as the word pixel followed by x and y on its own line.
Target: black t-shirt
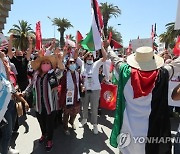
pixel 21 67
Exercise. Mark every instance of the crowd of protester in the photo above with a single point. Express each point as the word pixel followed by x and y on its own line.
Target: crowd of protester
pixel 53 81
pixel 58 84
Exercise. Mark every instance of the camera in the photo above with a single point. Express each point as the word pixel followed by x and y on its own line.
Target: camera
pixel 16 36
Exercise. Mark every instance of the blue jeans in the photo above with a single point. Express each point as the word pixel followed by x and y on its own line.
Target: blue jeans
pixel 10 116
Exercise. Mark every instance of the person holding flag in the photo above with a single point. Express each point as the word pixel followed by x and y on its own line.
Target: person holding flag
pixel 142 102
pixel 92 87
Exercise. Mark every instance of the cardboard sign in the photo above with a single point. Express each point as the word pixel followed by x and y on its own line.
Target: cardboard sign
pixel 141 42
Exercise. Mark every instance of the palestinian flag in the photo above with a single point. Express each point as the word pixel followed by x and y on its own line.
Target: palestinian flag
pixel 142 122
pixel 79 37
pixel 114 43
pixel 115 77
pixel 92 42
pixel 155 46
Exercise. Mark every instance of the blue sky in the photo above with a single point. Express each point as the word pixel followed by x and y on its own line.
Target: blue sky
pixel 136 19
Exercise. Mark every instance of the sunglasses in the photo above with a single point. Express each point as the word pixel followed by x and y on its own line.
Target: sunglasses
pixel 71 62
pixel 90 56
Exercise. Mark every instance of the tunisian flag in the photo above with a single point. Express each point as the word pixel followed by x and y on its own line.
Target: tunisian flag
pixel 38 36
pixel 176 49
pixel 108 96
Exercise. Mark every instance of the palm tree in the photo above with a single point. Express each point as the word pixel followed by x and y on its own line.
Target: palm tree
pixel 62 24
pixel 115 34
pixel 164 38
pixel 169 36
pixel 108 10
pixel 24 31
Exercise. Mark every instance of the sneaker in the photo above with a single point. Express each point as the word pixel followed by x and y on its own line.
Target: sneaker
pixel 67 132
pixel 41 140
pixel 95 129
pixel 49 146
pixel 83 122
pixel 13 151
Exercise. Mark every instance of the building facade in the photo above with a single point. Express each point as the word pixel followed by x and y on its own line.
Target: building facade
pixel 5 7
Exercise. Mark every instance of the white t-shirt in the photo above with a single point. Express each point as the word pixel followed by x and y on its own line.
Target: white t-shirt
pixel 90 74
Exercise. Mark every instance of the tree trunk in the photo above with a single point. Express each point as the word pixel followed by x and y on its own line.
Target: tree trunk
pixel 105 28
pixel 166 45
pixel 62 43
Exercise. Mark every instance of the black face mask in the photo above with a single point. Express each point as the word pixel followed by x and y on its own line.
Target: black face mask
pixel 19 57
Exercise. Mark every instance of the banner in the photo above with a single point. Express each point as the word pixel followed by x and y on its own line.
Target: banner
pixel 136 43
pixel 108 96
pixel 175 81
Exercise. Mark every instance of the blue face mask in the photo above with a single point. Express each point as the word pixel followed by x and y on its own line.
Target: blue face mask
pixel 72 67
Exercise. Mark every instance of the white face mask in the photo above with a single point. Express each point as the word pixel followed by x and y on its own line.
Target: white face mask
pixel 89 62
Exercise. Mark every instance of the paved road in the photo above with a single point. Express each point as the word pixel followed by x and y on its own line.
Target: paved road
pixel 81 140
